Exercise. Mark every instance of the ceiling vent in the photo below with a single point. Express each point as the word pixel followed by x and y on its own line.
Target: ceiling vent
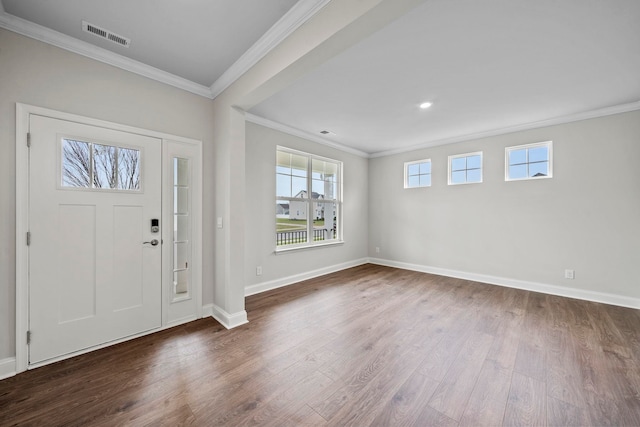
pixel 105 34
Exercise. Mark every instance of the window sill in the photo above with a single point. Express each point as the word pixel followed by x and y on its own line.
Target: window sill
pixel 279 251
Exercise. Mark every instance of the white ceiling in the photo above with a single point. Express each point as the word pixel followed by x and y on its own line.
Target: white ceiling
pixel 487 66
pixel 196 39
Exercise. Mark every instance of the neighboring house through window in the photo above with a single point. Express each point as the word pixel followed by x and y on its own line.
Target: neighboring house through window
pixel 308 199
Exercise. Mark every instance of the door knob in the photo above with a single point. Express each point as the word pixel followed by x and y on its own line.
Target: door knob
pixel 154 242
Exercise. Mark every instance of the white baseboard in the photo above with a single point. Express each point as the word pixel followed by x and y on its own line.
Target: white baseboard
pixel 290 280
pixel 207 310
pixel 7 367
pixel 594 296
pixel 227 320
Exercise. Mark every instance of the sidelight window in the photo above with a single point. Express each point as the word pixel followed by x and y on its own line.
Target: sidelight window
pixel 181 228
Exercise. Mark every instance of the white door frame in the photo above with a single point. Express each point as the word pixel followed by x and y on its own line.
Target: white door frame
pixel 23 112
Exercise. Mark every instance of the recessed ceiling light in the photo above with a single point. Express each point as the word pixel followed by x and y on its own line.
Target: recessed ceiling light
pixel 425 105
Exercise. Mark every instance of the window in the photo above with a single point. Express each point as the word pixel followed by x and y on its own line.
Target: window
pixel 181 228
pixel 417 174
pixel 465 168
pixel 530 161
pixel 308 199
pixel 97 166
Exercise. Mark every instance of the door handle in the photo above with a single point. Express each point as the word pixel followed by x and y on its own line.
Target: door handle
pixel 154 242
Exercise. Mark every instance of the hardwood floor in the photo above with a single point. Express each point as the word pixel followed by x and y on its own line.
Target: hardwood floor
pixel 366 346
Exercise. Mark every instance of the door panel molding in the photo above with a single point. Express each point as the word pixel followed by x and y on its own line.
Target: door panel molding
pixel 23 113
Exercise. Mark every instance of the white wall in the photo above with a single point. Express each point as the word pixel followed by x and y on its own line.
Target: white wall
pixel 585 218
pixel 588 219
pixel 35 73
pixel 334 28
pixel 259 245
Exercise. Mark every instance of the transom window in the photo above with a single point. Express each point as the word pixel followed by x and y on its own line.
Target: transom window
pixel 308 199
pixel 99 166
pixel 417 174
pixel 465 168
pixel 529 161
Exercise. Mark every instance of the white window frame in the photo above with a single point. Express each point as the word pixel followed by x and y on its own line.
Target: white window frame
pixel 311 243
pixel 507 150
pixel 458 156
pixel 406 173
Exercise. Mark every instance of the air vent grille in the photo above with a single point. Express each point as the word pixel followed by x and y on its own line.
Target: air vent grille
pixel 105 34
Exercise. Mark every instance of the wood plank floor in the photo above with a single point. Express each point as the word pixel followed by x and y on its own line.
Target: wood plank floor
pixel 366 346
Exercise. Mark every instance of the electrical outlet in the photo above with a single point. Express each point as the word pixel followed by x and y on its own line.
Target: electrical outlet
pixel 569 274
pixel 259 270
pixel 219 223
pixel 377 250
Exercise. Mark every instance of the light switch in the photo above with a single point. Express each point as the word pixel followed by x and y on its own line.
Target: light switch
pixel 219 222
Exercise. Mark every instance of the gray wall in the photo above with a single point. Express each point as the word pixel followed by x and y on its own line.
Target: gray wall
pixel 585 218
pixel 35 73
pixel 261 145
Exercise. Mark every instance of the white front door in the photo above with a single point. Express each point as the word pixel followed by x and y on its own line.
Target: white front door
pixel 94 260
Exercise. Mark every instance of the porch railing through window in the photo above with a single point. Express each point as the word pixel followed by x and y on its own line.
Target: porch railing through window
pixel 299 236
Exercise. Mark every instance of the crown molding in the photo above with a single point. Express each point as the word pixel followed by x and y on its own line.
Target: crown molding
pixel 300 13
pixel 607 111
pixel 302 134
pixel 46 35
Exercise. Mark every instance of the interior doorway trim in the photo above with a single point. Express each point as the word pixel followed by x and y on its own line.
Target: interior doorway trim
pixel 23 113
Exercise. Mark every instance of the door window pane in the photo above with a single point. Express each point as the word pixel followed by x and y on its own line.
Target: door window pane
pixel 128 169
pixel 99 166
pixel 104 166
pixel 76 163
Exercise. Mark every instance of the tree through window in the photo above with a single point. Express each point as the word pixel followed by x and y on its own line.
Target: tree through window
pixel 98 166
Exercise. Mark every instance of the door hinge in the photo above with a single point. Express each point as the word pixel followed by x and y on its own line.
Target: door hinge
pixel 28 337
pixel 28 238
pixel 28 139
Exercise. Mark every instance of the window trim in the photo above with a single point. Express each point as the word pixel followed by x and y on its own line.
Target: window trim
pixel 310 243
pixel 457 156
pixel 406 173
pixel 507 150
